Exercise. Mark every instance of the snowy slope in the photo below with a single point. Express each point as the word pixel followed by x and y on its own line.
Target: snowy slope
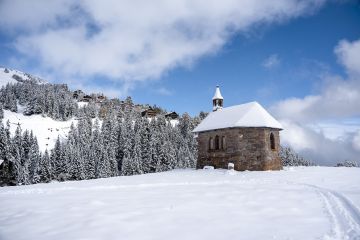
pixel 44 128
pixel 297 203
pixel 7 77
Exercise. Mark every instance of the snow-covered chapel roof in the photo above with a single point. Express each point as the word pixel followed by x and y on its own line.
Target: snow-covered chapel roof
pixel 217 94
pixel 250 114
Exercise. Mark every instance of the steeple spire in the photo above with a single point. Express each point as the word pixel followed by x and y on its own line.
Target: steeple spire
pixel 217 99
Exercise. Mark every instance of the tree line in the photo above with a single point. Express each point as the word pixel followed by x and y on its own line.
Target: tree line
pixel 53 100
pixel 108 139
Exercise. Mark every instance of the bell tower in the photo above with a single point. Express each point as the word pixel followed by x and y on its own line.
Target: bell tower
pixel 217 99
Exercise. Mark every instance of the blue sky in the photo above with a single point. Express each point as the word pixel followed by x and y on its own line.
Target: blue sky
pixel 304 46
pixel 298 58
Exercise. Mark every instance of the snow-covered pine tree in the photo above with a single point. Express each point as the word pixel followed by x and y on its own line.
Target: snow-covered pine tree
pixel 128 137
pixel 34 160
pixel 93 164
pixel 160 140
pixel 103 166
pixel 186 125
pixel 136 158
pixel 17 153
pixel 13 103
pixel 108 133
pixel 73 151
pixel 25 158
pixel 145 142
pixel 1 111
pixel 290 158
pixel 7 169
pixel 45 168
pixel 59 163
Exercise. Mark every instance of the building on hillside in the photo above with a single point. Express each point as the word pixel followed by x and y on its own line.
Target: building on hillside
pixel 138 107
pixel 150 112
pixel 100 98
pixel 78 94
pixel 245 136
pixel 86 98
pixel 172 115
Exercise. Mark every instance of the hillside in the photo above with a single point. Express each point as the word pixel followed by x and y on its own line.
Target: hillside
pixel 45 129
pixel 109 137
pixel 296 203
pixel 8 75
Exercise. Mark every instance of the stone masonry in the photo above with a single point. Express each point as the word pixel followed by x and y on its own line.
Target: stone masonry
pixel 249 148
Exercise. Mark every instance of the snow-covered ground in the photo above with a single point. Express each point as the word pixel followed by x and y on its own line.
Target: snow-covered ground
pixel 7 77
pixel 44 128
pixel 296 203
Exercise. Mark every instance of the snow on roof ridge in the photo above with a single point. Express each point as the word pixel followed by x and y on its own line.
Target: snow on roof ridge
pixel 250 114
pixel 256 109
pixel 217 94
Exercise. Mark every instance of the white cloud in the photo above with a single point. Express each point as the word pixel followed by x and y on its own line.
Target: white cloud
pixel 356 141
pixel 314 145
pixel 307 119
pixel 33 15
pixel 349 55
pixel 271 62
pixel 164 91
pixel 338 98
pixel 133 40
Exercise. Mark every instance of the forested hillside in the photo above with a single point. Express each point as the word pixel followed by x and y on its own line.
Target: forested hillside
pixel 107 138
pixel 110 138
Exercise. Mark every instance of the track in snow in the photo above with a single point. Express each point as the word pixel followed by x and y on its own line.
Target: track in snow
pixel 344 215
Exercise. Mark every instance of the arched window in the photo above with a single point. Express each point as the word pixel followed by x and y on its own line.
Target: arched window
pixel 223 142
pixel 272 141
pixel 217 142
pixel 211 143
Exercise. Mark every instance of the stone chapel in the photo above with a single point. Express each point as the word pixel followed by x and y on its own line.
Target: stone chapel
pixel 245 136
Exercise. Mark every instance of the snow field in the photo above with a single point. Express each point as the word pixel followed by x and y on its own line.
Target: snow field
pixel 44 128
pixel 297 203
pixel 6 78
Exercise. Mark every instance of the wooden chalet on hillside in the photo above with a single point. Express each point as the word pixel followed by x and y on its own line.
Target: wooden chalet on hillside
pixel 150 112
pixel 172 115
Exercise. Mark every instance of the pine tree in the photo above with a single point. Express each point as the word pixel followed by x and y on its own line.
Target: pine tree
pixel 128 136
pixel 108 132
pixel 103 169
pixel 145 141
pixel 34 159
pixel 25 157
pixel 45 168
pixel 7 174
pixel 1 111
pixel 59 163
pixel 136 158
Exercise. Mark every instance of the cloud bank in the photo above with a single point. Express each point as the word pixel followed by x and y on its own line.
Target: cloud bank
pixel 137 40
pixel 338 100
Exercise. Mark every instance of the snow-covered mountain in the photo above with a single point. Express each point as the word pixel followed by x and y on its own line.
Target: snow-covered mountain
pixel 296 203
pixel 8 75
pixel 44 128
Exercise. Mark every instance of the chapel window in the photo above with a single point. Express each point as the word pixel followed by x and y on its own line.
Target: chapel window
pixel 223 142
pixel 272 141
pixel 217 143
